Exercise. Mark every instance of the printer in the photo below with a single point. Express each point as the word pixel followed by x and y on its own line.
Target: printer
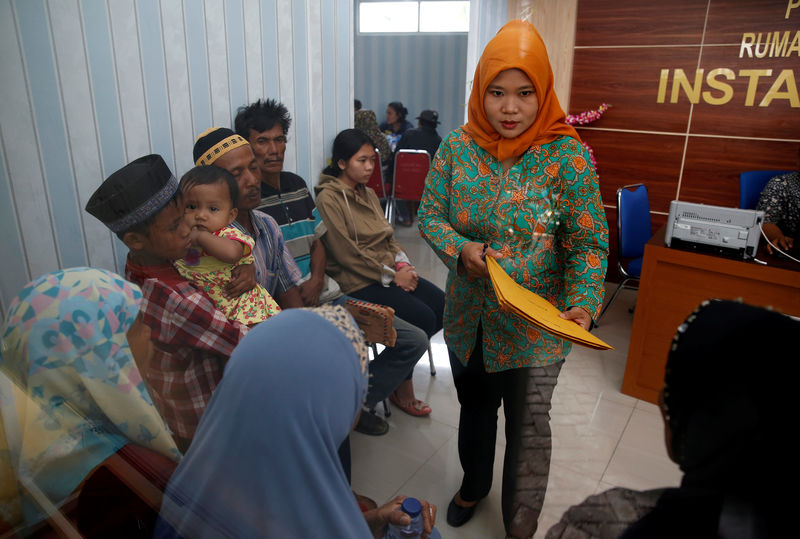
pixel 714 229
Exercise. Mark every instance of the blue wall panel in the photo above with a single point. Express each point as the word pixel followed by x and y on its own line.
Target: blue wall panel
pixel 138 96
pixel 13 269
pixel 155 79
pixel 52 133
pixel 198 65
pixel 237 73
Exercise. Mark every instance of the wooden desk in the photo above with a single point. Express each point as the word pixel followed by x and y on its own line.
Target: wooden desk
pixel 674 283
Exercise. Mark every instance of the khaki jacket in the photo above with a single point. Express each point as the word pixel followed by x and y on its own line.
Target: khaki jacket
pixel 360 245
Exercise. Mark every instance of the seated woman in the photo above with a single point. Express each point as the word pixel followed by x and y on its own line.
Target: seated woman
pixel 278 474
pixel 724 425
pixel 73 398
pixel 780 202
pixel 396 123
pixel 363 256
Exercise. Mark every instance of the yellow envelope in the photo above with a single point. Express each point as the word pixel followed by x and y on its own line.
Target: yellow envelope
pixel 537 310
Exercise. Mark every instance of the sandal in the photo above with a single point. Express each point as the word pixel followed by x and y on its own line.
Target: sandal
pixel 416 408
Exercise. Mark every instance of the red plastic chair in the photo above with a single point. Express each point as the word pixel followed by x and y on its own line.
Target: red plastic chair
pixel 410 170
pixel 376 180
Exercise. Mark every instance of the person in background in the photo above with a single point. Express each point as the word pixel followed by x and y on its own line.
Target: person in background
pixel 515 184
pixel 396 123
pixel 425 137
pixel 141 203
pixel 368 123
pixel 726 430
pixel 278 475
pixel 356 105
pixel 780 202
pixel 73 396
pixel 365 259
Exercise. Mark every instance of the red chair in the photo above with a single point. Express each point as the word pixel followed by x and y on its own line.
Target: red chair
pixel 410 170
pixel 376 180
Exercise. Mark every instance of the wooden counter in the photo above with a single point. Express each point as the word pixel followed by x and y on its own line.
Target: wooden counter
pixel 674 282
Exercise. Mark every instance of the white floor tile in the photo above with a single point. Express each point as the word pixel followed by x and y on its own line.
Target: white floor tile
pixel 641 470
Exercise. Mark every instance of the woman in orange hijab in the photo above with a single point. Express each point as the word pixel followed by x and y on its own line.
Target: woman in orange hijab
pixel 514 183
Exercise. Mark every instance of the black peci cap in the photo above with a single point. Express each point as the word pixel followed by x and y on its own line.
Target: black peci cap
pixel 133 194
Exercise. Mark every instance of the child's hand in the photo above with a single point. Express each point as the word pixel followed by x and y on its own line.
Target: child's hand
pixel 196 236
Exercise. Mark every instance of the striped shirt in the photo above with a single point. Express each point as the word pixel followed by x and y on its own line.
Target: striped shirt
pixel 275 267
pixel 293 209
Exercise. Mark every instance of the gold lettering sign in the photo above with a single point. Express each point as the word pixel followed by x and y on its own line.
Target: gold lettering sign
pixel 783 87
pixel 769 44
pixel 713 87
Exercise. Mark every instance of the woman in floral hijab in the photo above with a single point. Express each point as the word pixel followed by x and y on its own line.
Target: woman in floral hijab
pixel 71 393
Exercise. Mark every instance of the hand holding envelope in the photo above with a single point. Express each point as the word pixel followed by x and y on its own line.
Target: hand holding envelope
pixel 537 310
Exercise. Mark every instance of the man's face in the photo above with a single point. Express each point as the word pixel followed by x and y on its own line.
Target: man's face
pixel 242 164
pixel 269 147
pixel 167 236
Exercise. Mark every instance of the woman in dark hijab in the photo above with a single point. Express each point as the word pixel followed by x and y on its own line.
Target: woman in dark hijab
pixel 725 426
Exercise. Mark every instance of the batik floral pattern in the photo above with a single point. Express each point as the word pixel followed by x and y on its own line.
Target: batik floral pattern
pixel 544 215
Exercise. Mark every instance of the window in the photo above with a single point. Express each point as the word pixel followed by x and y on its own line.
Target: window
pixel 410 17
pixel 388 17
pixel 444 16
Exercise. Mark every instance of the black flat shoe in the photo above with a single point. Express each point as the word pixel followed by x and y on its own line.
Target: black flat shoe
pixel 457 515
pixel 371 425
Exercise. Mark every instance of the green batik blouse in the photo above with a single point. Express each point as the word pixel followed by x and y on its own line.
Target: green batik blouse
pixel 544 215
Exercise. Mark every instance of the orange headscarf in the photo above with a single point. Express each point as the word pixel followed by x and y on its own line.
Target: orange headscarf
pixel 517 45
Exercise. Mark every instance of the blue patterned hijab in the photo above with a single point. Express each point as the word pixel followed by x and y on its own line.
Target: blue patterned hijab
pixel 264 462
pixel 70 390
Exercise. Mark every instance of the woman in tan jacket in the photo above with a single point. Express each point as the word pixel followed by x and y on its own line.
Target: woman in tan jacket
pixel 363 256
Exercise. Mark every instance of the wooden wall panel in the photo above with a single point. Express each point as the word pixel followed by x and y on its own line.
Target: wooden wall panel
pixel 712 167
pixel 627 53
pixel 620 161
pixel 633 22
pixel 728 19
pixel 628 80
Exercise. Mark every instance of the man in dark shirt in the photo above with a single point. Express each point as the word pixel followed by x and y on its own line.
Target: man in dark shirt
pixel 284 195
pixel 425 138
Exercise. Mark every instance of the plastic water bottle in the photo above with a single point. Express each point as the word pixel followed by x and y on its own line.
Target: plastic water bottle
pixel 413 508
